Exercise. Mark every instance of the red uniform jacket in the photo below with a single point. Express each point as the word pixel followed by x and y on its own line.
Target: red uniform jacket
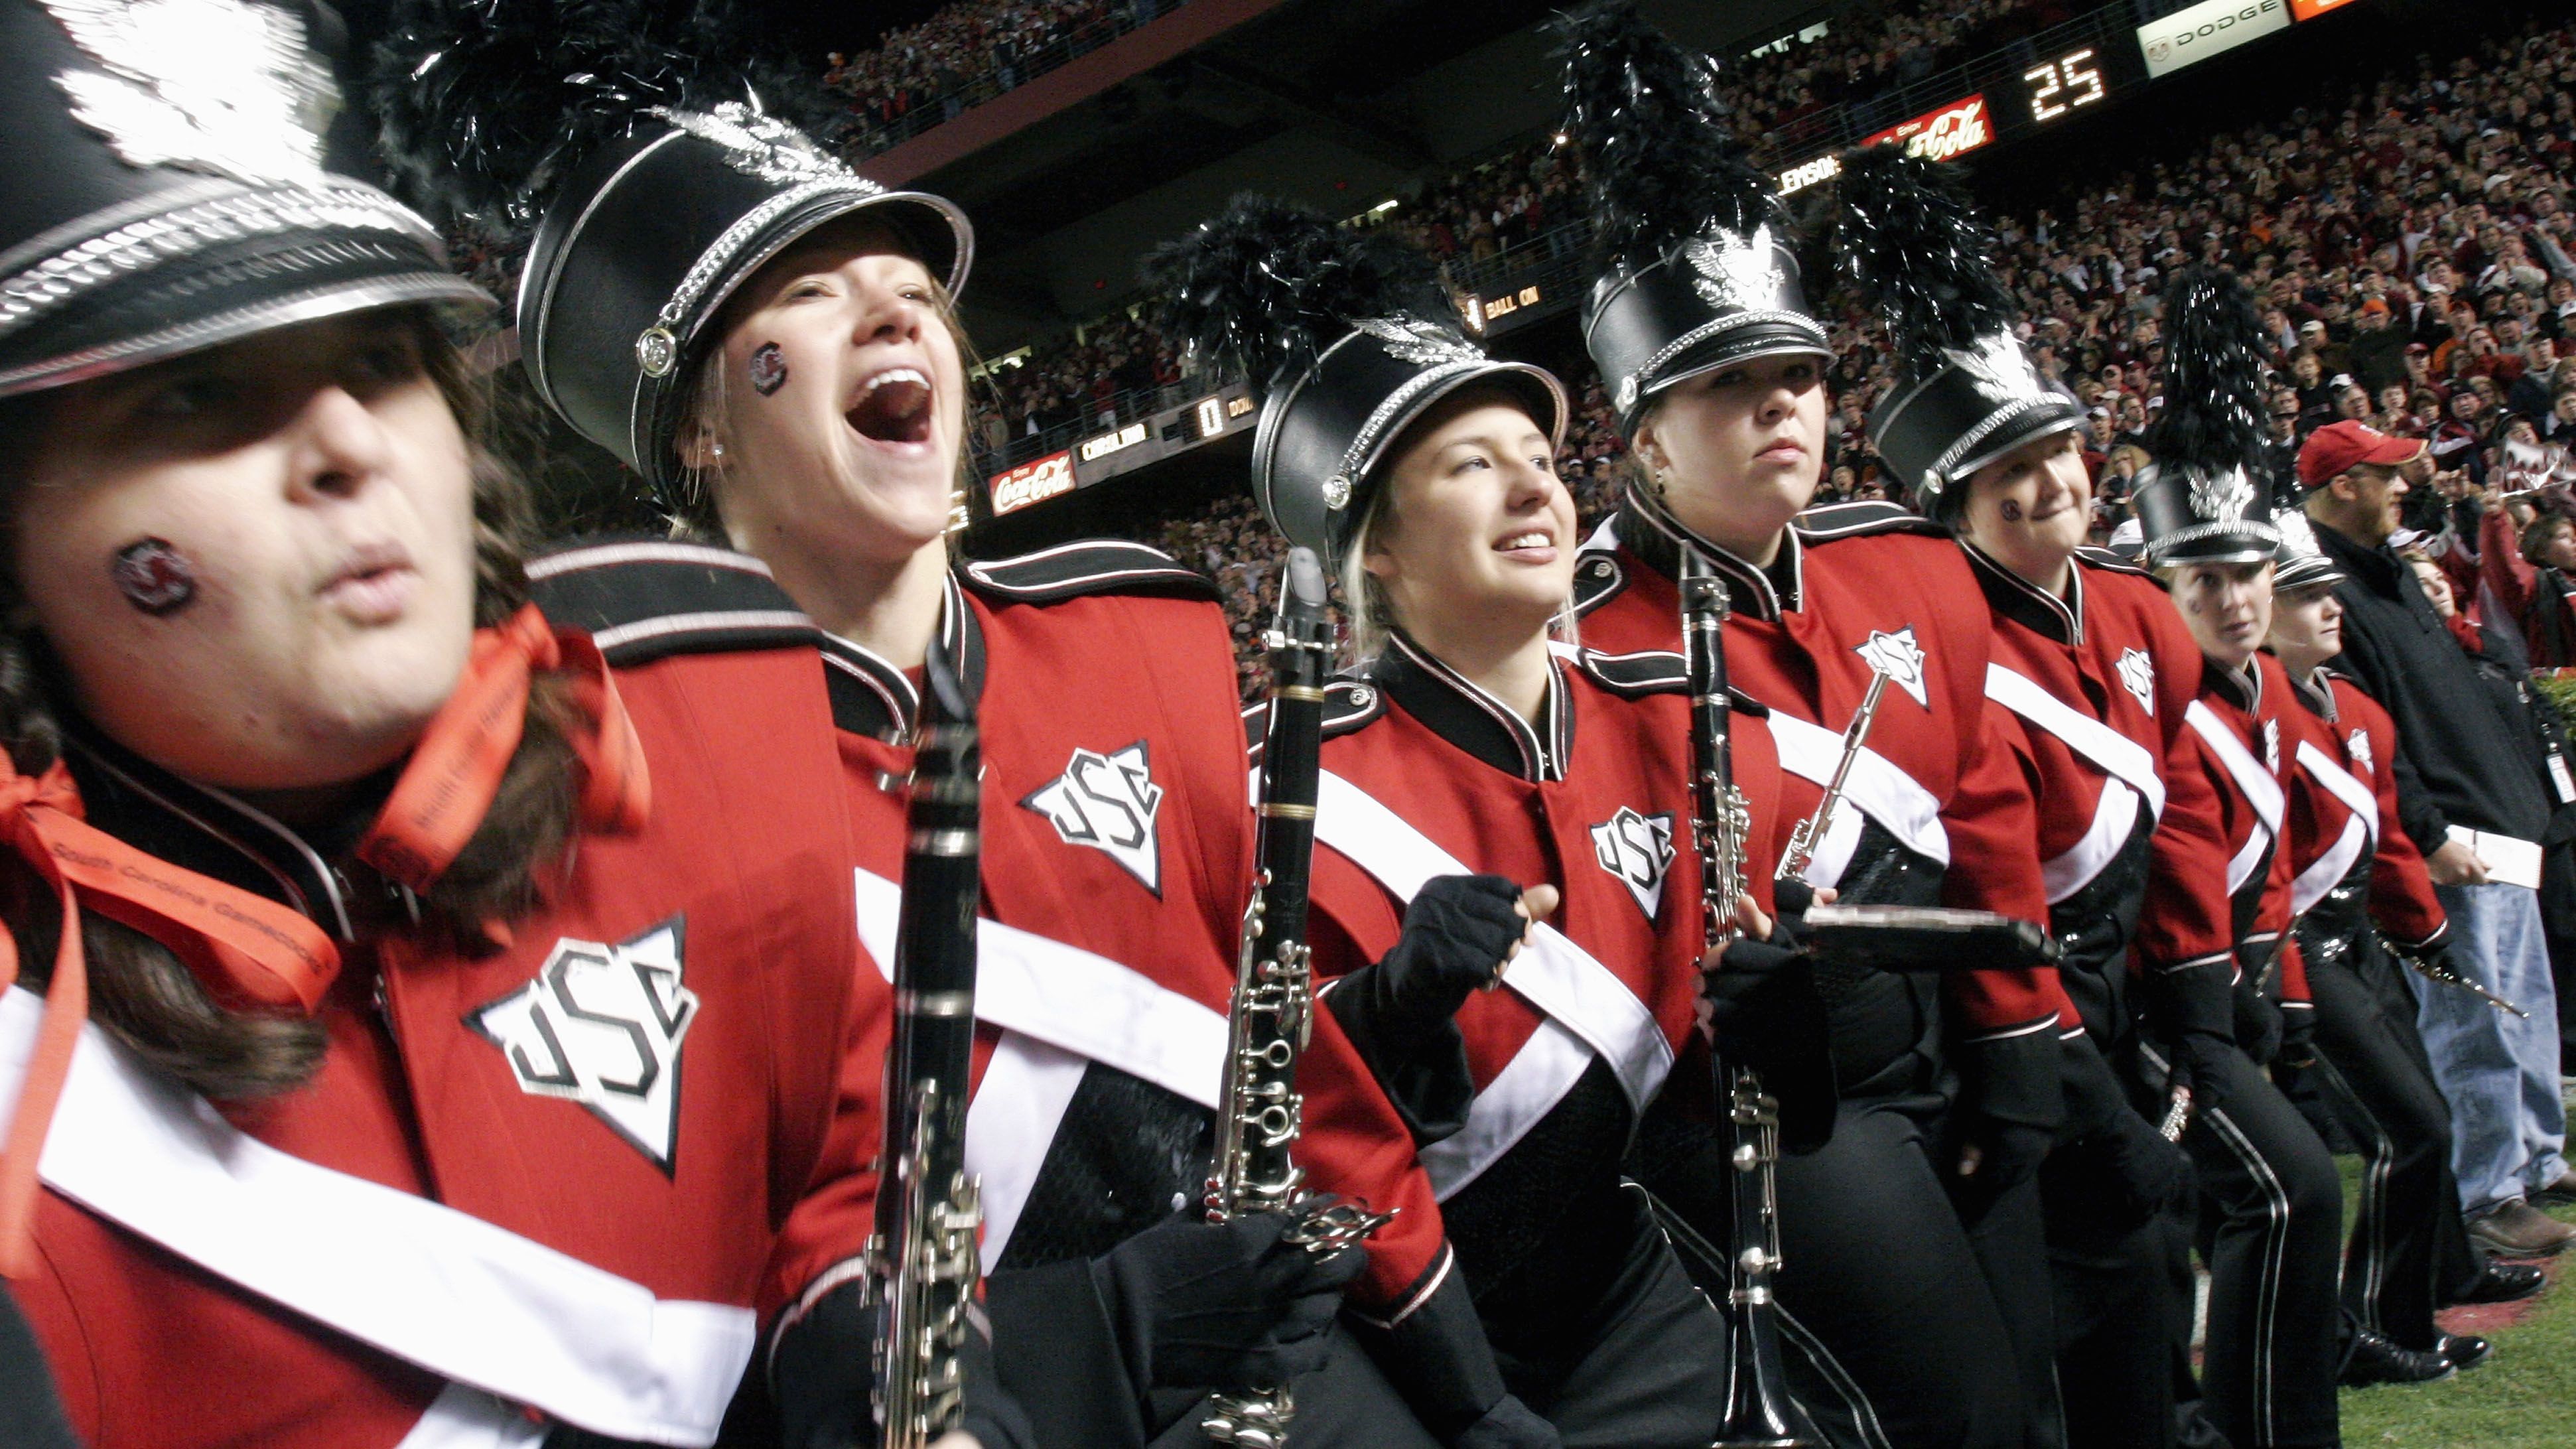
pixel 1117 865
pixel 655 1079
pixel 2246 745
pixel 2343 817
pixel 2100 683
pixel 1856 587
pixel 1426 775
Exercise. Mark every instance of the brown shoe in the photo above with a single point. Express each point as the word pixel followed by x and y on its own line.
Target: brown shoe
pixel 2560 1190
pixel 2518 1230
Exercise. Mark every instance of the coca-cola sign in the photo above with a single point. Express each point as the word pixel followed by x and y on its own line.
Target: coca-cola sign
pixel 1032 482
pixel 1954 130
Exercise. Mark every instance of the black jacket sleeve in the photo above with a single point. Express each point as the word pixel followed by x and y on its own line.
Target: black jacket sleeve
pixel 30 1417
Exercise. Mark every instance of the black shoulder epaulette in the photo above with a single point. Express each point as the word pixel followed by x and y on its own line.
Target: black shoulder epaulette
pixel 1857 520
pixel 1085 566
pixel 2103 558
pixel 642 599
pixel 1598 578
pixel 1655 671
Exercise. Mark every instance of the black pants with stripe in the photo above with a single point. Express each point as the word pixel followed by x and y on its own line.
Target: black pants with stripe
pixel 2390 1105
pixel 2270 1226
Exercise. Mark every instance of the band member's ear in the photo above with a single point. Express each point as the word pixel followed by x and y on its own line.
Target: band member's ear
pixel 699 450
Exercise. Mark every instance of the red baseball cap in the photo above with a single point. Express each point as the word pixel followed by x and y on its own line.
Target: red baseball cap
pixel 2341 446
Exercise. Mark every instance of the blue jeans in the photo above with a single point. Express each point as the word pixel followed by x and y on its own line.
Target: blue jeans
pixel 2508 1120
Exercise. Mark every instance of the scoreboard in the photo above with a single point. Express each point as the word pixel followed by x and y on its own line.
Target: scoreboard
pixel 2094 59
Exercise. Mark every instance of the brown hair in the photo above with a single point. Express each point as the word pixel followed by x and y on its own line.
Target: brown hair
pixel 139 991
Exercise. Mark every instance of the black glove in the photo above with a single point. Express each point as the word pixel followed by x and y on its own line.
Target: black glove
pixel 1761 1008
pixel 29 1413
pixel 2258 1023
pixel 1399 1012
pixel 2201 1061
pixel 1202 1305
pixel 822 1378
pixel 2298 1035
pixel 2010 1105
pixel 1457 932
pixel 1439 1359
pixel 2109 1156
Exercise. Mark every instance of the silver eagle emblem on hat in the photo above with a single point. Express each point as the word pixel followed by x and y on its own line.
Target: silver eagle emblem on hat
pixel 2221 497
pixel 1728 270
pixel 219 86
pixel 1999 370
pixel 758 144
pixel 1417 341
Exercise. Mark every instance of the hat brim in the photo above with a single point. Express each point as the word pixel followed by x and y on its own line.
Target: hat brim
pixel 207 266
pixel 1737 342
pixel 2390 452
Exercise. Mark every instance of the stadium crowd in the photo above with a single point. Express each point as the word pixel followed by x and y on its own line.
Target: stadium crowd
pixel 965 54
pixel 2414 246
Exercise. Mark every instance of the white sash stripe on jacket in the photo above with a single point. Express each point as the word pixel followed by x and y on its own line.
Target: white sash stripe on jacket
pixel 1059 1007
pixel 2322 873
pixel 1877 787
pixel 465 1299
pixel 2115 819
pixel 1078 1000
pixel 2114 753
pixel 2342 784
pixel 463 1418
pixel 2261 787
pixel 1582 997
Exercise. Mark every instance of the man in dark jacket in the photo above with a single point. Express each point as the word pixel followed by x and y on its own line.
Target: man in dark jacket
pixel 2474 794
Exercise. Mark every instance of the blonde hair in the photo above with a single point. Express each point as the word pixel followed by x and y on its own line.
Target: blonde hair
pixel 1371 614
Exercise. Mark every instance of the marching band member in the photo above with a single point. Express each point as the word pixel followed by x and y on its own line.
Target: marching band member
pixel 1482 781
pixel 1716 370
pixel 403 1072
pixel 2274 1200
pixel 771 341
pixel 2099 673
pixel 2355 880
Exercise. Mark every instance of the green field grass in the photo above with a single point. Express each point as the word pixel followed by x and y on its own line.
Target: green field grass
pixel 2520 1399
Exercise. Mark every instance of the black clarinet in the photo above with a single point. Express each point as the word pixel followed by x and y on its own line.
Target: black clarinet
pixel 1760 1414
pixel 1260 1112
pixel 927 1208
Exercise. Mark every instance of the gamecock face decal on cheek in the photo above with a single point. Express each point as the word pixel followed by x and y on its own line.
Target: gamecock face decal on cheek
pixel 154 576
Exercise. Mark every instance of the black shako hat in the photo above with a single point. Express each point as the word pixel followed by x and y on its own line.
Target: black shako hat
pixel 2202 499
pixel 1696 269
pixel 640 150
pixel 1964 391
pixel 162 190
pixel 649 238
pixel 1350 341
pixel 2300 560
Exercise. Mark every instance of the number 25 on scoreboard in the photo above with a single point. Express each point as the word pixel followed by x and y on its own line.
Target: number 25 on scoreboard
pixel 2061 85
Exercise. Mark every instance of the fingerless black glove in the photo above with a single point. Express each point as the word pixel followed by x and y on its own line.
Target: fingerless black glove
pixel 1457 932
pixel 2109 1155
pixel 2298 1035
pixel 1761 1008
pixel 1399 1012
pixel 1201 1305
pixel 2258 1023
pixel 2010 1105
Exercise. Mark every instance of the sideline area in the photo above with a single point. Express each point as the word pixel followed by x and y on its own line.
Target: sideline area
pixel 2517 1400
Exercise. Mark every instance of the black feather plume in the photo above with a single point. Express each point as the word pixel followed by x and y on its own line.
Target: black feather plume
pixel 1266 285
pixel 2215 417
pixel 1907 238
pixel 1657 152
pixel 484 105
